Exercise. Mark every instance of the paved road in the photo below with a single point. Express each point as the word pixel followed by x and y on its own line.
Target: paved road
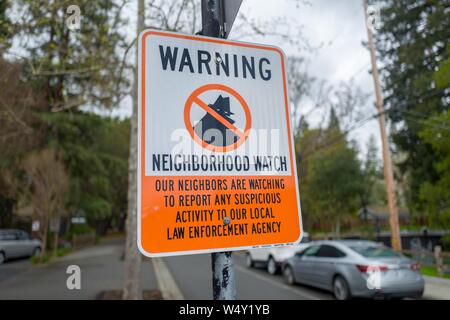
pixel 14 268
pixel 193 276
pixel 101 269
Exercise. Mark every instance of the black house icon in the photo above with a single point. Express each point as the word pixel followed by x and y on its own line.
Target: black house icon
pixel 214 132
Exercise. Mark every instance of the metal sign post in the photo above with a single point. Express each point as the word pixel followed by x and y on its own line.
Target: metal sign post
pixel 223 279
pixel 220 192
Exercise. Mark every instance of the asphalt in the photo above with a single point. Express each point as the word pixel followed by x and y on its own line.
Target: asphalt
pixel 187 277
pixel 193 276
pixel 101 269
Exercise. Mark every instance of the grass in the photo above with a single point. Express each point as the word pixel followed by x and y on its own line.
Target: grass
pixel 49 256
pixel 432 272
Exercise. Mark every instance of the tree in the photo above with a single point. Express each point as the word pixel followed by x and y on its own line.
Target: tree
pixel 74 67
pixel 334 184
pixel 436 196
pixel 20 132
pixel 374 189
pixel 132 267
pixel 411 44
pixel 299 84
pixel 48 186
pixel 95 151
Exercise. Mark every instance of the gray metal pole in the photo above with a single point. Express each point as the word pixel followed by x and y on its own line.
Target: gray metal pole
pixel 223 282
pixel 223 279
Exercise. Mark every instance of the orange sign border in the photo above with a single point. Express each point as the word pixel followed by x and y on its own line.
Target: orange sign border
pixel 141 135
pixel 187 117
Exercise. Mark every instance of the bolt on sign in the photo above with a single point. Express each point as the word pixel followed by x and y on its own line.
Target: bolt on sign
pixel 216 161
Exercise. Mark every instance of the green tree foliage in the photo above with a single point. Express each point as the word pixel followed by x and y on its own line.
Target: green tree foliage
pixel 62 69
pixel 74 67
pixel 20 133
pixel 96 155
pixel 411 46
pixel 436 196
pixel 374 189
pixel 442 75
pixel 333 184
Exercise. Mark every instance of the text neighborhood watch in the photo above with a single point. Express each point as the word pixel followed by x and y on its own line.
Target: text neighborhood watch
pixel 222 194
pixel 210 163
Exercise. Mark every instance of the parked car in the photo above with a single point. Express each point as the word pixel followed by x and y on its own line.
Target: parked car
pixel 273 258
pixel 355 268
pixel 17 244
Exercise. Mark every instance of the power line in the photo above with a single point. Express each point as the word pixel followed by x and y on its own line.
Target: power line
pixel 360 70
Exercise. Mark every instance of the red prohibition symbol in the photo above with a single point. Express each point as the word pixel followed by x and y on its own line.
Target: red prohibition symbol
pixel 194 99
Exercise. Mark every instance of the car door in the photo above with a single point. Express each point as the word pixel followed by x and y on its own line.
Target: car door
pixel 303 264
pixel 325 264
pixel 9 244
pixel 25 244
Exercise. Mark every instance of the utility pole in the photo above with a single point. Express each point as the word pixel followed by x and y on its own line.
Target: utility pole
pixel 223 278
pixel 132 264
pixel 388 173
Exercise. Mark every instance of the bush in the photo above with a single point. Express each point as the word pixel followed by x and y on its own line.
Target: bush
pixel 78 229
pixel 49 255
pixel 40 259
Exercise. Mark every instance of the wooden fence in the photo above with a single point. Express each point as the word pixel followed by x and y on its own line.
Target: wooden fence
pixel 437 258
pixel 83 240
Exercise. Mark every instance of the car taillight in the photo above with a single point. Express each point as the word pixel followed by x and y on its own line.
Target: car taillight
pixel 415 266
pixel 367 268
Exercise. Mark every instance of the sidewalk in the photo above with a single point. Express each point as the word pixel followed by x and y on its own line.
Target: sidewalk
pixel 436 288
pixel 101 269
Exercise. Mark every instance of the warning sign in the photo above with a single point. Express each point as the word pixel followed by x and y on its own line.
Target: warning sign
pixel 216 164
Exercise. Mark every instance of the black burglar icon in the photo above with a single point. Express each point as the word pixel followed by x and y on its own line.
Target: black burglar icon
pixel 214 132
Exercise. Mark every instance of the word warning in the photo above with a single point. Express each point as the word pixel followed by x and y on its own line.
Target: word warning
pixel 216 164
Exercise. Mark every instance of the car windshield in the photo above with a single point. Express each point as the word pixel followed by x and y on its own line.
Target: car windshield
pixel 375 251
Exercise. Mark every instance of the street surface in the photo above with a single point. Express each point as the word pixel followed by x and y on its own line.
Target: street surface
pixel 182 277
pixel 193 276
pixel 102 269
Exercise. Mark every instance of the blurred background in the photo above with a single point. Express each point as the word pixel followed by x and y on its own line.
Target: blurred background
pixel 67 76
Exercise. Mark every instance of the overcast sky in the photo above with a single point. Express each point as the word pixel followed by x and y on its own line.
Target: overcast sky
pixel 337 29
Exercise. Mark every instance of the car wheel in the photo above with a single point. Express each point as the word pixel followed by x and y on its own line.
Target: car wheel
pixel 2 258
pixel 272 266
pixel 341 289
pixel 289 275
pixel 249 261
pixel 37 252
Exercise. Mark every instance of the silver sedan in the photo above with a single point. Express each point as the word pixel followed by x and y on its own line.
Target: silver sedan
pixel 351 268
pixel 16 244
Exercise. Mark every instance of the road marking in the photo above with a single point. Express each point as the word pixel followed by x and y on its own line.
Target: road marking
pixel 166 282
pixel 276 283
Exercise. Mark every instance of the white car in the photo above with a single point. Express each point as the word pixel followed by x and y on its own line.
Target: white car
pixel 273 258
